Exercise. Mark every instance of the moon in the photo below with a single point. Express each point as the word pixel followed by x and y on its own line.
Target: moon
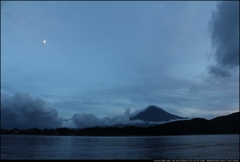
pixel 44 41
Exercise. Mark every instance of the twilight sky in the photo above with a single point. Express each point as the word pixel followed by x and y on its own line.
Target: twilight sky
pixel 100 58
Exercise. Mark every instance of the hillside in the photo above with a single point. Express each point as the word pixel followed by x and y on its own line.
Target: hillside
pixel 221 125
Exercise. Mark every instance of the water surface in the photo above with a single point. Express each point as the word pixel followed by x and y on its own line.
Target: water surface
pixel 130 147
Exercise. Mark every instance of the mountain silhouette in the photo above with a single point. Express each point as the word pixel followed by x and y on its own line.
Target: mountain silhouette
pixel 228 124
pixel 155 114
pixel 223 124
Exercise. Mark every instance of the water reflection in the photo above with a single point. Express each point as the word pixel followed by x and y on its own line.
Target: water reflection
pixel 164 147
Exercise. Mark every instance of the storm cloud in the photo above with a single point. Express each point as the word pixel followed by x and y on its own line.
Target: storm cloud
pixel 24 111
pixel 224 29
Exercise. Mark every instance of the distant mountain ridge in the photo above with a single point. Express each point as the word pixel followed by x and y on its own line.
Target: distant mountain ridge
pixel 155 114
pixel 228 124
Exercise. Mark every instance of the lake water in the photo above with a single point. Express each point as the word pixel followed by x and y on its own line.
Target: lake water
pixel 133 147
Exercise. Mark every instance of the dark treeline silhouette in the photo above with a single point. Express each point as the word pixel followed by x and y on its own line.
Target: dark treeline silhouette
pixel 221 125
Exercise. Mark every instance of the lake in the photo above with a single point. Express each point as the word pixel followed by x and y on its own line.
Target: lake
pixel 126 147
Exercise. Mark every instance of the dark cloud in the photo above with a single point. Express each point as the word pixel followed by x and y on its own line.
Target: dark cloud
pixel 224 29
pixel 85 120
pixel 90 120
pixel 218 71
pixel 23 111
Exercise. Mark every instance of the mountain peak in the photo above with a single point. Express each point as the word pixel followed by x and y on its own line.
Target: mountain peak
pixel 155 114
pixel 153 107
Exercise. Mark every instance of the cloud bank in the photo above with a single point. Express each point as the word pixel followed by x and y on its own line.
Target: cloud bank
pixel 24 111
pixel 224 29
pixel 90 120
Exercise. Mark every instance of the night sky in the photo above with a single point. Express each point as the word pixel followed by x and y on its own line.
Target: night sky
pixel 83 63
